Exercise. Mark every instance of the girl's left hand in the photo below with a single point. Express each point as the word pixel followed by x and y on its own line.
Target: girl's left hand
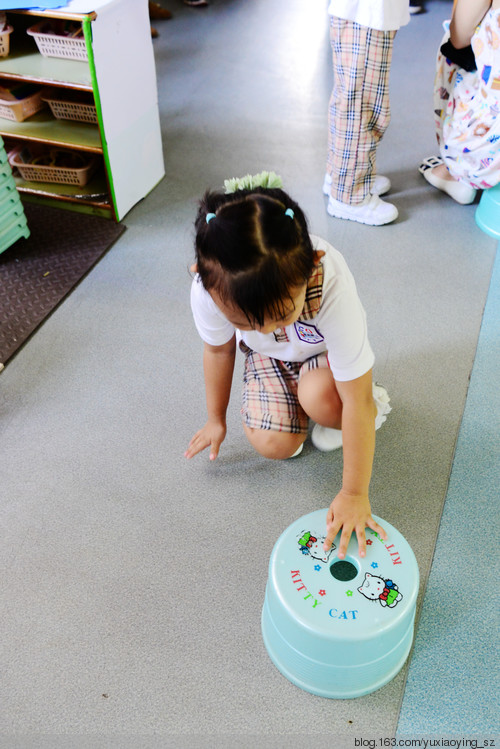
pixel 350 513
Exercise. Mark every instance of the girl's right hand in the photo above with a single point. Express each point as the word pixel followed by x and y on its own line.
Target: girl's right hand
pixel 211 435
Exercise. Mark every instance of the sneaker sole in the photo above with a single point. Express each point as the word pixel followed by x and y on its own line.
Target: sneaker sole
pixel 360 220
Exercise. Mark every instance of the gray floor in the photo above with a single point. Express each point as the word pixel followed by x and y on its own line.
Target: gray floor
pixel 455 661
pixel 132 580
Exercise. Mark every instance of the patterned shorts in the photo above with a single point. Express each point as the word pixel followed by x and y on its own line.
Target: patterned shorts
pixel 467 109
pixel 270 391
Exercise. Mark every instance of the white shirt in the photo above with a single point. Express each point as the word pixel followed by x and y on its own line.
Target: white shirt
pixel 384 15
pixel 339 327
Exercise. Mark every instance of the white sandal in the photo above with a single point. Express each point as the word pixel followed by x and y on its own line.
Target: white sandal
pixel 459 191
pixel 429 163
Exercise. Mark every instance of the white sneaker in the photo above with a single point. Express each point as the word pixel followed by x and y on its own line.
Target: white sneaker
pixel 326 439
pixel 382 400
pixel 297 452
pixel 380 186
pixel 372 211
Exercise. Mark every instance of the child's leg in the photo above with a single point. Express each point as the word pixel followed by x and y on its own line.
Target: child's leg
pixel 318 394
pixel 273 420
pixel 359 110
pixel 274 445
pixel 319 397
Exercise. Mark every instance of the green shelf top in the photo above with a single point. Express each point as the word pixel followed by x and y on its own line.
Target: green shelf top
pixel 32 66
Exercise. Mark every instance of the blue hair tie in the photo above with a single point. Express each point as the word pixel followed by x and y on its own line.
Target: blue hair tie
pixel 210 216
pixel 290 213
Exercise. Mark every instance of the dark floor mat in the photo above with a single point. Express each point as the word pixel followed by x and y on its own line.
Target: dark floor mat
pixel 37 273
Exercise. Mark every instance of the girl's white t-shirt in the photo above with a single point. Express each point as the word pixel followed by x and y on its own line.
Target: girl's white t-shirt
pixel 384 15
pixel 339 328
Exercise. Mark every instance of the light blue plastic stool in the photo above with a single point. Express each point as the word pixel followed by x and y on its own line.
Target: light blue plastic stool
pixel 339 628
pixel 488 211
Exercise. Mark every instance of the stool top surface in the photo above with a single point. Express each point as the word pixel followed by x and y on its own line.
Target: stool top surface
pixel 354 597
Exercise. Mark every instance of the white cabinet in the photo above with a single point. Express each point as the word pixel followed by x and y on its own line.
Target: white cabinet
pixel 120 76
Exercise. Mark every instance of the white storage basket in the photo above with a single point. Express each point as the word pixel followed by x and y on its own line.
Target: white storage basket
pixel 51 44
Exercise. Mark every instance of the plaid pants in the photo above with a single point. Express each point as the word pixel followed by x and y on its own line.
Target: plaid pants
pixel 359 110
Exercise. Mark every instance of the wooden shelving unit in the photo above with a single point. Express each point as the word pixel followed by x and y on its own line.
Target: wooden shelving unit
pixel 127 138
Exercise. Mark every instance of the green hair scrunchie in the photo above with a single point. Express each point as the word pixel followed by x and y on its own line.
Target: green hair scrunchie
pixel 249 182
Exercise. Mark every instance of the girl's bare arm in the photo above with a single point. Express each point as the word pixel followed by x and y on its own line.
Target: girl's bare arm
pixel 218 367
pixel 467 14
pixel 350 511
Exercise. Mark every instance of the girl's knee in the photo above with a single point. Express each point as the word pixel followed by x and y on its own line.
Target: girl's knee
pixel 319 398
pixel 274 445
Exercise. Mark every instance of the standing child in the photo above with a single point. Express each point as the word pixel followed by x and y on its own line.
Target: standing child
pixel 467 103
pixel 290 302
pixel 362 36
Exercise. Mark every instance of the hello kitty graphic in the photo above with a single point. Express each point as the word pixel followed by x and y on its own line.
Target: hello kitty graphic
pixel 376 588
pixel 313 546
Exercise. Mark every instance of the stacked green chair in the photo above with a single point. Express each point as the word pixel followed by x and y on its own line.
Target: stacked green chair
pixel 13 224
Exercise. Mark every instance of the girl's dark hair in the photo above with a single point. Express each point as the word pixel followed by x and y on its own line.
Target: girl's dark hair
pixel 251 252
